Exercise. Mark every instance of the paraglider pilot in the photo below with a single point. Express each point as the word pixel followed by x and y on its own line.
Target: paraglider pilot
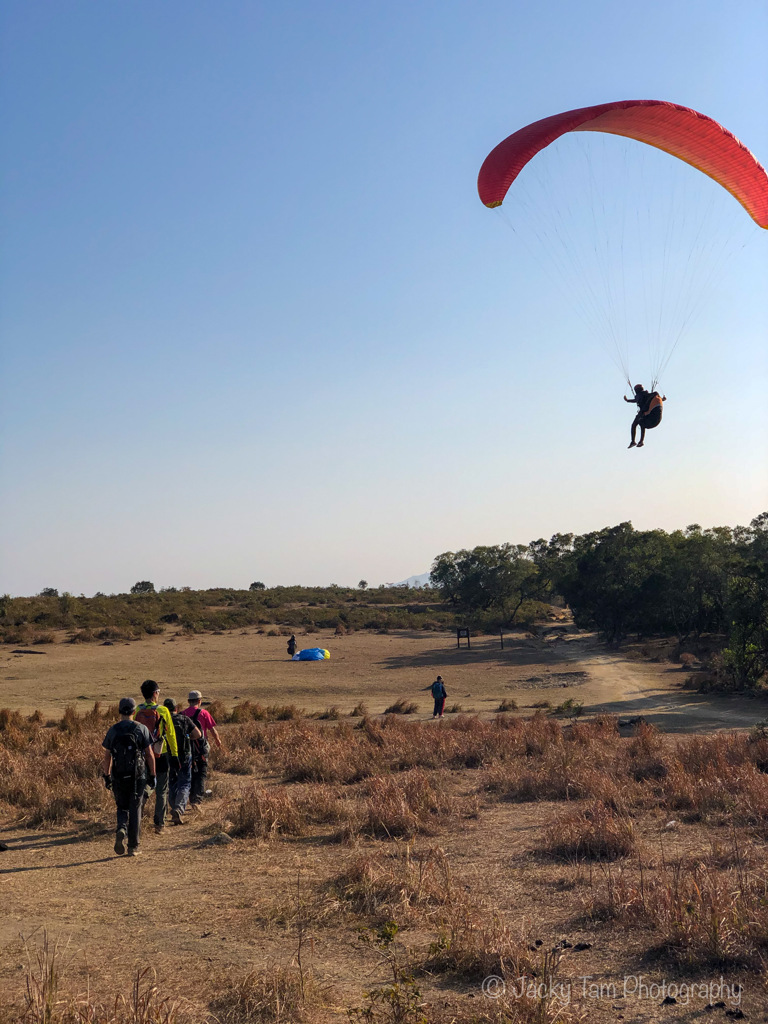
pixel 649 408
pixel 292 645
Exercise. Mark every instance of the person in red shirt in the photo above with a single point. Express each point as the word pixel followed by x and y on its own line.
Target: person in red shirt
pixel 200 747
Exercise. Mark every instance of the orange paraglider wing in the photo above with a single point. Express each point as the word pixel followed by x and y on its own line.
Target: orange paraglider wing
pixel 679 131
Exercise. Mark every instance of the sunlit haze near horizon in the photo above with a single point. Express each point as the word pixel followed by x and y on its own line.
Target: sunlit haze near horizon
pixel 257 325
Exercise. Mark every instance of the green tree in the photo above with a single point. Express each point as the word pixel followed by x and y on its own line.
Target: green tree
pixel 143 587
pixel 499 577
pixel 258 585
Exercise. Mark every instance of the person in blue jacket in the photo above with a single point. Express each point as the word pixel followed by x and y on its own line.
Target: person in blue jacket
pixel 439 693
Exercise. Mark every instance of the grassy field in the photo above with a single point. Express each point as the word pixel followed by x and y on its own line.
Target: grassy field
pixel 381 867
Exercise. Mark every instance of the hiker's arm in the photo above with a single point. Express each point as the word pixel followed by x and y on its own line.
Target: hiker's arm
pixel 215 735
pixel 150 756
pixel 195 733
pixel 106 763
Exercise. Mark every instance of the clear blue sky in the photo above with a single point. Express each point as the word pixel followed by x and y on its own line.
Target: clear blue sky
pixel 256 323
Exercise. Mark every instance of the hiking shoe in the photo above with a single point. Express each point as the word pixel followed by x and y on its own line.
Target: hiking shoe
pixel 133 851
pixel 120 843
pixel 159 829
pixel 176 818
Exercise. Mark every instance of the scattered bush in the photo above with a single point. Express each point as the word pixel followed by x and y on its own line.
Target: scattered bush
pixel 402 707
pixel 597 833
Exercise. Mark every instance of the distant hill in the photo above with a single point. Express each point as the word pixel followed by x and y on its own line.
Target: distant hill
pixel 413 581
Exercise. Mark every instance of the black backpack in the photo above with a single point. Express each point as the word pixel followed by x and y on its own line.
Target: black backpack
pixel 201 745
pixel 182 728
pixel 127 756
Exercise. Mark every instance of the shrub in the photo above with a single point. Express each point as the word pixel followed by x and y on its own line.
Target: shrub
pixel 507 705
pixel 402 707
pixel 404 806
pixel 597 833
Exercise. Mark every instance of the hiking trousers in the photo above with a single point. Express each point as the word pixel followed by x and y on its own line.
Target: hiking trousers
pixel 162 766
pixel 199 775
pixel 129 804
pixel 179 785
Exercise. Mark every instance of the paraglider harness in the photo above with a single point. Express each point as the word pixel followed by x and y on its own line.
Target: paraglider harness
pixel 652 413
pixel 649 412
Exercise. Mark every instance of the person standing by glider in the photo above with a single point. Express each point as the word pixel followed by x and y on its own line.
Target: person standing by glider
pixel 649 409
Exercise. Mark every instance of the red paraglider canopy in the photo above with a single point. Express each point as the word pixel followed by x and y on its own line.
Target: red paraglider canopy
pixel 679 131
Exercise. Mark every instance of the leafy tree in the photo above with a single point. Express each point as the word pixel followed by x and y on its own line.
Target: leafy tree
pixel 502 576
pixel 258 585
pixel 49 592
pixel 143 587
pixel 362 585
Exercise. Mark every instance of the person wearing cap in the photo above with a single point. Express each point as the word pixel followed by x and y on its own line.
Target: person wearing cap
pixel 128 770
pixel 180 779
pixel 200 749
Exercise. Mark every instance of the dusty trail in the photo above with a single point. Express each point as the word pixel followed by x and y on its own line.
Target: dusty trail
pixel 620 686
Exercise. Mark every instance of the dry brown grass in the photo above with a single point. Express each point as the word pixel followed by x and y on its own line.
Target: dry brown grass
pixel 289 786
pixel 276 994
pixel 594 833
pixel 400 885
pixel 703 913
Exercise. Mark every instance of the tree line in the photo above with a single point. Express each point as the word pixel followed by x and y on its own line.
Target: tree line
pixel 621 581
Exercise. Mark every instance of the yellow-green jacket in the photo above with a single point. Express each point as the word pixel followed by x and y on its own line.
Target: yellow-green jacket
pixel 165 730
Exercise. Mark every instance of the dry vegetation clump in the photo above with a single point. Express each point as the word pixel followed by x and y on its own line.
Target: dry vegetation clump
pixel 261 812
pixel 405 805
pixel 309 754
pixel 508 704
pixel 397 885
pixel 474 942
pixel 402 707
pixel 596 833
pixel 703 916
pixel 49 962
pixel 279 994
pixel 49 773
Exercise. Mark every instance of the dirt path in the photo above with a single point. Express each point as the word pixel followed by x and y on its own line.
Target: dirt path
pixel 620 686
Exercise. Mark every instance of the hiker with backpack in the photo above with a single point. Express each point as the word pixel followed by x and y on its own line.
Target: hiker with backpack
pixel 157 718
pixel 128 770
pixel 200 748
pixel 439 694
pixel 180 781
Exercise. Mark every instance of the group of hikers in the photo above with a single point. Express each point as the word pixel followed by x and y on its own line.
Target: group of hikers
pixel 156 748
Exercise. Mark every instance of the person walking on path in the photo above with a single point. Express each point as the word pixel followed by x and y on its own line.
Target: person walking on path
pixel 157 718
pixel 129 769
pixel 439 694
pixel 180 781
pixel 200 748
